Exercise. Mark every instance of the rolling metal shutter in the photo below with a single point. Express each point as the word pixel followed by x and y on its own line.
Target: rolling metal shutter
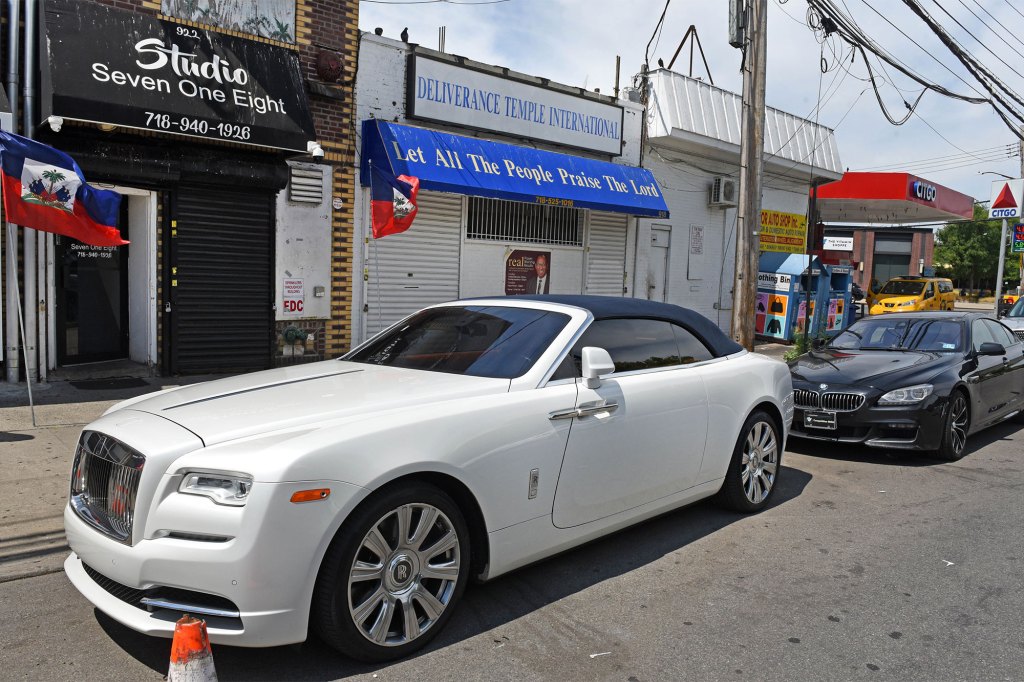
pixel 606 254
pixel 221 265
pixel 418 267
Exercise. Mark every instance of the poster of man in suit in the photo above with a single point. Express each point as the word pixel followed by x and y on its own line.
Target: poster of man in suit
pixel 528 272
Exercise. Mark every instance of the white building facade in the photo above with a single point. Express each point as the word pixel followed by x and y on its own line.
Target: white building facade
pixel 482 241
pixel 693 151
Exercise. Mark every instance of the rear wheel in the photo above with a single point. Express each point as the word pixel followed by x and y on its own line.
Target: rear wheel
pixel 393 574
pixel 754 467
pixel 957 424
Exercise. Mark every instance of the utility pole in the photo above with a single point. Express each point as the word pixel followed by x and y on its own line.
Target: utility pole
pixel 748 214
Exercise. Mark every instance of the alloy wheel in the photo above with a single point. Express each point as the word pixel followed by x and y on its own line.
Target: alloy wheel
pixel 404 574
pixel 958 424
pixel 760 462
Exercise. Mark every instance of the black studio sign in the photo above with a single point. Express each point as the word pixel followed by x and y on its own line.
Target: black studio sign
pixel 132 70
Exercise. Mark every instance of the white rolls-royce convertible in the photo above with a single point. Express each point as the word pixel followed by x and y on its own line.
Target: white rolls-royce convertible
pixel 356 497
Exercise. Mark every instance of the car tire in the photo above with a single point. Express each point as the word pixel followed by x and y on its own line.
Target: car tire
pixel 954 428
pixel 754 467
pixel 393 574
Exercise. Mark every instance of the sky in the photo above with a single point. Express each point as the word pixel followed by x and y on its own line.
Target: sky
pixel 575 42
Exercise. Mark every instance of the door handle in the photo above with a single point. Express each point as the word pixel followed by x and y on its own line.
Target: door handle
pixel 584 410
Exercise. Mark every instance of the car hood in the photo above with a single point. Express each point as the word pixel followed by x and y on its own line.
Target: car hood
pixel 261 402
pixel 1013 323
pixel 878 369
pixel 893 299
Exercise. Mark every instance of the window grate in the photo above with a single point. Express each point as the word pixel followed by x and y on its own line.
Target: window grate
pixel 516 221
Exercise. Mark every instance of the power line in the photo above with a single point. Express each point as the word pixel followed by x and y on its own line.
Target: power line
pixel 1014 8
pixel 926 51
pixel 976 38
pixel 948 157
pixel 985 24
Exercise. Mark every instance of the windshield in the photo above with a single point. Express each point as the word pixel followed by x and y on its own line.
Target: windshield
pixel 886 333
pixel 902 288
pixel 480 341
pixel 1018 308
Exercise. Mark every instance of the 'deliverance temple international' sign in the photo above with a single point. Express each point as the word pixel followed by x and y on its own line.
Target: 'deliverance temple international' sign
pixel 448 93
pixel 132 70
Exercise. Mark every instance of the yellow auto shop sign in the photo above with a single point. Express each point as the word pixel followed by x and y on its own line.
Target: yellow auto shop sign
pixel 783 232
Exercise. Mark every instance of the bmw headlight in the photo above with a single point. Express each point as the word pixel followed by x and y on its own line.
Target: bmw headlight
pixel 906 396
pixel 222 488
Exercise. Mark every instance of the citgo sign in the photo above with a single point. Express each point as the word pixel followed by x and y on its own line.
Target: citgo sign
pixel 1006 199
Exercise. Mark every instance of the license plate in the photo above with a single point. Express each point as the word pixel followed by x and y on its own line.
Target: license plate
pixel 820 420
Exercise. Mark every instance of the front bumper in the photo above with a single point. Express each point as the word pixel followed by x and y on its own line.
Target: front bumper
pixel 265 573
pixel 905 427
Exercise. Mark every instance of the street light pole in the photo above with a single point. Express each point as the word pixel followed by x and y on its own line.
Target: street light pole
pixel 999 270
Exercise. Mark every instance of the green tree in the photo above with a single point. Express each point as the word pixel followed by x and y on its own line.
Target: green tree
pixel 970 250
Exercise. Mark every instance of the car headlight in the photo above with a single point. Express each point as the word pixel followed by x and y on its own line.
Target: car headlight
pixel 906 304
pixel 906 396
pixel 222 488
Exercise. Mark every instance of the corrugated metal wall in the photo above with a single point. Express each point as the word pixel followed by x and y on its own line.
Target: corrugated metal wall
pixel 416 268
pixel 606 254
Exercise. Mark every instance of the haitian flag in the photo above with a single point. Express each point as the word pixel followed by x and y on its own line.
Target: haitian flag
pixel 44 189
pixel 392 202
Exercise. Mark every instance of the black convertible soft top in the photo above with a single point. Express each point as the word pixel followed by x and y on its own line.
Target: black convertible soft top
pixel 611 307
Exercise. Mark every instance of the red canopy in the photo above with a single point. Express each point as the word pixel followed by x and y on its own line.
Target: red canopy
pixel 890 198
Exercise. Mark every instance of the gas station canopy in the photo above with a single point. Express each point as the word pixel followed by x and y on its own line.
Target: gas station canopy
pixel 895 198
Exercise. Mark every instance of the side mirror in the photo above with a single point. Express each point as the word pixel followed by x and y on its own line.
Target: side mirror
pixel 596 364
pixel 818 343
pixel 991 348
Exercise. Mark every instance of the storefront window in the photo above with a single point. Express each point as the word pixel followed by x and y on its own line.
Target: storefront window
pixel 274 19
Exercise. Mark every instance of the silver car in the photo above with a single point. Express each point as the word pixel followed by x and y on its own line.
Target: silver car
pixel 1014 318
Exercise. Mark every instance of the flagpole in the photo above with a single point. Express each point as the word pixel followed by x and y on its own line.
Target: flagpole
pixel 21 324
pixel 376 257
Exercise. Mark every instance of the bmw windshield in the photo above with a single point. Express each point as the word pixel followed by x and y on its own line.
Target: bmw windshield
pixel 918 334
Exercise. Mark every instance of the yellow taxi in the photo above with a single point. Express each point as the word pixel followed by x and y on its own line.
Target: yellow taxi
pixel 907 294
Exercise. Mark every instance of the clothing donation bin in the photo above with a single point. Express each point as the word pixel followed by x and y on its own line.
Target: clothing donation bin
pixel 783 280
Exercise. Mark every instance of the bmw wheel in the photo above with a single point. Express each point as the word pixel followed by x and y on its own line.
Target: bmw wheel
pixel 754 468
pixel 393 574
pixel 954 432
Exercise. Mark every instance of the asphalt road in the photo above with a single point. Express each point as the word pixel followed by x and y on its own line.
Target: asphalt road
pixel 868 566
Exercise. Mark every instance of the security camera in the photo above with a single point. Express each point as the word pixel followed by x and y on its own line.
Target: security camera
pixel 55 123
pixel 314 149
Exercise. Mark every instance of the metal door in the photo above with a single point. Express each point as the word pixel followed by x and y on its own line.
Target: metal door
pixel 606 254
pixel 92 298
pixel 657 267
pixel 219 312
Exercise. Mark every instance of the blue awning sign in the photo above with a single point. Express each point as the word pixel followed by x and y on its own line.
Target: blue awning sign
pixel 467 165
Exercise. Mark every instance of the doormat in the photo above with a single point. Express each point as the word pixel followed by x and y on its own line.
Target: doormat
pixel 109 384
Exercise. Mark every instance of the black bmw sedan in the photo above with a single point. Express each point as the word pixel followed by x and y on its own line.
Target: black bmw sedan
pixel 915 381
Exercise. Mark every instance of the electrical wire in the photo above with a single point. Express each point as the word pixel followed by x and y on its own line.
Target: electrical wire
pixel 926 51
pixel 946 157
pixel 976 38
pixel 985 24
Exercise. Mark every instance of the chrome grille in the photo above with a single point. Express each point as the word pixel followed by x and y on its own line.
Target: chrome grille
pixel 104 483
pixel 833 402
pixel 1019 333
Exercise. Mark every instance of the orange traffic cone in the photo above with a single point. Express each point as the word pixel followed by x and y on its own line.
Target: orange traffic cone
pixel 191 658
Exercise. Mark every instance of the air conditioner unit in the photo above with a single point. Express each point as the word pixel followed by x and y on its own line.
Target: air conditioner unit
pixel 722 192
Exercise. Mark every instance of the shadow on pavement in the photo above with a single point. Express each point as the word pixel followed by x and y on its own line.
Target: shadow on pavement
pixel 8 437
pixel 484 607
